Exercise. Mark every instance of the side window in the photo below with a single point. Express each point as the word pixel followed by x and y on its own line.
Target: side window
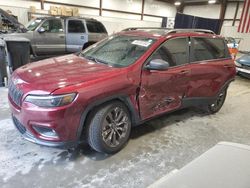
pixel 95 27
pixel 174 51
pixel 208 48
pixel 76 26
pixel 53 26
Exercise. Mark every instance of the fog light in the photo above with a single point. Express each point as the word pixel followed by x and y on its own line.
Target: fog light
pixel 45 131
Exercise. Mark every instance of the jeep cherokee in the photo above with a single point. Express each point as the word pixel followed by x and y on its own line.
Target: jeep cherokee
pixel 119 82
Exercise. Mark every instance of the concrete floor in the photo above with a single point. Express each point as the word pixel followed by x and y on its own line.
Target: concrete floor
pixel 155 148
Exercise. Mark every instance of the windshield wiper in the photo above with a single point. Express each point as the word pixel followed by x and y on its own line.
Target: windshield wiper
pixel 95 59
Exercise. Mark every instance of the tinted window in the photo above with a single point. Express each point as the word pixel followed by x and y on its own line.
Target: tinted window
pixel 53 26
pixel 208 48
pixel 95 27
pixel 76 26
pixel 173 51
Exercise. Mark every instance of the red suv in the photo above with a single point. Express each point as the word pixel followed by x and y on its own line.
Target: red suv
pixel 122 81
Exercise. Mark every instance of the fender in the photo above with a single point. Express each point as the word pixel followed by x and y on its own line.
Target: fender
pixel 124 98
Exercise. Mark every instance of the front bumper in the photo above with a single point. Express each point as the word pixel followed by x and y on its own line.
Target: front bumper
pixel 28 136
pixel 63 120
pixel 244 72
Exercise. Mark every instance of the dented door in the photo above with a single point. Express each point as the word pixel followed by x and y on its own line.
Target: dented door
pixel 162 90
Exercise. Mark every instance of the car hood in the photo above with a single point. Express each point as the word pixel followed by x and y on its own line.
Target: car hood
pixel 244 60
pixel 48 75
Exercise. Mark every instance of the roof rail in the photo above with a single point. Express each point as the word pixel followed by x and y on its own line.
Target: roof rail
pixel 191 30
pixel 141 28
pixel 171 30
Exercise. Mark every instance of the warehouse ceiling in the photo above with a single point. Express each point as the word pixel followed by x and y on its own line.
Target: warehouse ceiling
pixel 185 1
pixel 195 1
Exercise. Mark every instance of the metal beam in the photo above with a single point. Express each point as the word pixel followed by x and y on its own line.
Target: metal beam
pixel 223 8
pixel 100 10
pixel 197 3
pixel 142 9
pixel 236 12
pixel 180 8
pixel 42 4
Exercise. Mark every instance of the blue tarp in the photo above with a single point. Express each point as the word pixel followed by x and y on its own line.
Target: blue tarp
pixel 194 22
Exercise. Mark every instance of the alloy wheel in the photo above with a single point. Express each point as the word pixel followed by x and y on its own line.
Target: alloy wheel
pixel 115 127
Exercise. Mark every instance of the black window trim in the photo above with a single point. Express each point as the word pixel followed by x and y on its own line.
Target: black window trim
pixel 208 60
pixel 187 49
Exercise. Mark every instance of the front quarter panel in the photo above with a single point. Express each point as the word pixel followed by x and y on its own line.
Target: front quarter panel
pixel 94 93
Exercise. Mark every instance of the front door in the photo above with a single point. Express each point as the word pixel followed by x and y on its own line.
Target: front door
pixel 52 41
pixel 162 91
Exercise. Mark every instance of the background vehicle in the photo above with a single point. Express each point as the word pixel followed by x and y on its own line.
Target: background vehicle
pixel 233 45
pixel 120 82
pixel 61 35
pixel 9 24
pixel 243 65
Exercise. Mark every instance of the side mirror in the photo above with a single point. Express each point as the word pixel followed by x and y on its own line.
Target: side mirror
pixel 157 64
pixel 41 30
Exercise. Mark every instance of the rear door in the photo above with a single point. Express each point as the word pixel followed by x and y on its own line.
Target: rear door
pixel 162 91
pixel 76 35
pixel 211 65
pixel 52 41
pixel 96 31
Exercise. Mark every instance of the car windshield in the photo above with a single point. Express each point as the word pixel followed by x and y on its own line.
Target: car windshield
pixel 32 25
pixel 118 51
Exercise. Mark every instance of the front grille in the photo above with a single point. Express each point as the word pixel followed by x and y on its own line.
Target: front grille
pixel 15 93
pixel 18 125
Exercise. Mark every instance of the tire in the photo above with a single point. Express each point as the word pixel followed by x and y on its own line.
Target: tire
pixel 218 103
pixel 109 128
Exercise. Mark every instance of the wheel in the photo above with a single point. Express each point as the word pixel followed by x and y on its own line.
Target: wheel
pixel 218 103
pixel 109 129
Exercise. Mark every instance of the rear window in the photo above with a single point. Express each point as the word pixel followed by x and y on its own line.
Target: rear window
pixel 208 48
pixel 76 26
pixel 95 27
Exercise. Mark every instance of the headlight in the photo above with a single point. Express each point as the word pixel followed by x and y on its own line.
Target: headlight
pixel 237 64
pixel 50 100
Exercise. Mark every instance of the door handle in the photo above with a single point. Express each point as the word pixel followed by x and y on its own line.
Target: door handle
pixel 184 72
pixel 61 36
pixel 228 66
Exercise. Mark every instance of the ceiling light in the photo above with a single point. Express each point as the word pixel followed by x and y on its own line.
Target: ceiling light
pixel 177 3
pixel 212 1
